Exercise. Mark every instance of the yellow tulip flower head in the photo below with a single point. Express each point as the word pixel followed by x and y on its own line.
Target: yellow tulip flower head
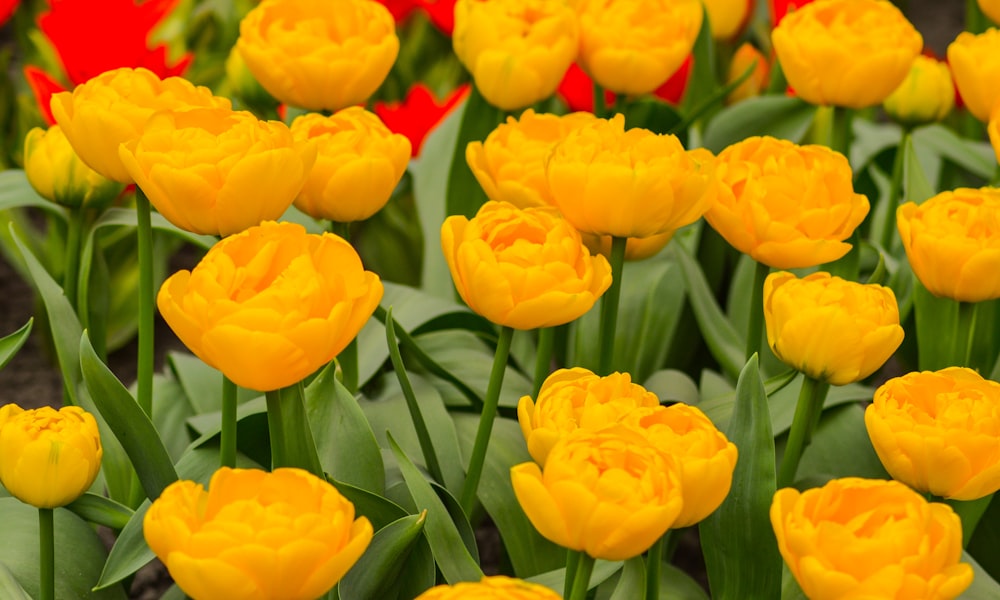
pixel 56 172
pixel 975 64
pixel 991 8
pixel 497 587
pixel 926 95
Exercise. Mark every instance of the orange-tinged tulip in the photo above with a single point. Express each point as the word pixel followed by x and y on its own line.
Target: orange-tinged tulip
pixel 522 268
pixel 787 206
pixel 58 175
pixel 865 538
pixel 309 55
pixel 939 432
pixel 747 56
pixel 634 46
pixel 48 458
pixel 610 494
pixel 830 329
pixel 272 304
pixel 112 108
pixel 516 50
pixel 217 171
pixel 951 243
pixel 975 65
pixel 635 183
pixel 497 587
pixel 850 53
pixel 255 535
pixel 926 95
pixel 358 164
pixel 991 8
pixel 576 398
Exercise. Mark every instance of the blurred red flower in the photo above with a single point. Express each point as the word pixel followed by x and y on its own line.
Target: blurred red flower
pixel 577 88
pixel 441 13
pixel 401 9
pixel 418 113
pixel 7 8
pixel 780 8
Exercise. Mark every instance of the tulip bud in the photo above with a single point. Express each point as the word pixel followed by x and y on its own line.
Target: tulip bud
pixel 975 64
pixel 745 57
pixel 926 95
pixel 58 175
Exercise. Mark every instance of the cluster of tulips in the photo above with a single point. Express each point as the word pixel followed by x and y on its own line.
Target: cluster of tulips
pixel 607 469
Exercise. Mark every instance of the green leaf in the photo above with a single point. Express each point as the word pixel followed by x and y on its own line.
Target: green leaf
pixel 632 581
pixel 10 344
pixel 937 326
pixel 101 511
pixel 555 579
pixel 671 385
pixel 916 188
pixel 984 587
pixel 703 81
pixel 295 434
pixel 740 550
pixel 678 585
pixel 10 589
pixel 16 192
pixel 976 156
pixel 479 119
pixel 397 563
pixel 841 447
pixel 777 116
pixel 652 114
pixel 377 509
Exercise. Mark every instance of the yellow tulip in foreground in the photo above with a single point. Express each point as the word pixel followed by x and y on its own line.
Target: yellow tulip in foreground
pixel 48 458
pixel 633 46
pixel 850 53
pixel 975 64
pixel 55 171
pixel 936 431
pixel 271 305
pixel 516 50
pixel 112 108
pixel 497 587
pixel 926 95
pixel 308 55
pixel 830 329
pixel 610 494
pixel 865 538
pixel 217 171
pixel 255 535
pixel 952 245
pixel 359 161
pixel 522 268
pixel 576 398
pixel 787 206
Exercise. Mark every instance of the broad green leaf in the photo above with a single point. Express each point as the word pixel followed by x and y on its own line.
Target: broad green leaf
pixel 295 433
pixel 251 427
pixel 984 587
pixel 652 114
pixel 10 589
pixel 16 192
pixel 937 326
pixel 379 510
pixel 985 542
pixel 703 81
pixel 916 187
pixel 740 551
pixel 631 582
pixel 479 118
pixel 871 139
pixel 398 557
pixel 555 579
pixel 678 585
pixel 171 410
pixel 976 156
pixel 671 385
pixel 841 447
pixel 10 344
pixel 778 116
pixel 101 511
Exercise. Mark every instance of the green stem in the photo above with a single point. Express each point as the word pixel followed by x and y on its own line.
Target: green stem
pixel 840 131
pixel 609 305
pixel 144 368
pixel 653 560
pixel 970 512
pixel 276 429
pixel 895 187
pixel 572 562
pixel 71 277
pixel 543 358
pixel 807 412
pixel 348 357
pixel 755 324
pixel 975 20
pixel 581 577
pixel 46 554
pixel 227 443
pixel 599 106
pixel 486 420
pixel 962 355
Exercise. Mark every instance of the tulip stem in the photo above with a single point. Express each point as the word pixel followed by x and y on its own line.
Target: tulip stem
pixel 962 355
pixel 74 228
pixel 543 358
pixel 46 554
pixel 653 560
pixel 144 368
pixel 486 418
pixel 804 423
pixel 348 357
pixel 895 188
pixel 755 324
pixel 599 106
pixel 609 304
pixel 227 443
pixel 581 576
pixel 841 131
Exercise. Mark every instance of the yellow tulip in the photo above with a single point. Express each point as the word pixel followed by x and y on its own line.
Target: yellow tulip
pixel 850 53
pixel 787 206
pixel 609 181
pixel 746 56
pixel 48 458
pixel 830 329
pixel 576 398
pixel 633 46
pixel 936 431
pixel 865 538
pixel 975 64
pixel 610 494
pixel 926 95
pixel 516 50
pixel 497 587
pixel 217 171
pixel 318 57
pixel 728 17
pixel 991 8
pixel 522 268
pixel 255 535
pixel 359 161
pixel 58 175
pixel 272 304
pixel 951 243
pixel 112 108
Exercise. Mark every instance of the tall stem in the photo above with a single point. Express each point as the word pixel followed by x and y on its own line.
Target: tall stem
pixel 581 577
pixel 72 275
pixel 755 324
pixel 227 444
pixel 144 368
pixel 543 358
pixel 841 131
pixel 46 554
pixel 807 412
pixel 276 429
pixel 962 355
pixel 609 305
pixel 599 105
pixel 653 559
pixel 895 188
pixel 486 420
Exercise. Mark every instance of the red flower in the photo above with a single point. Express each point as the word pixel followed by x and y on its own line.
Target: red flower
pixel 673 89
pixel 418 113
pixel 441 13
pixel 400 9
pixel 780 8
pixel 7 8
pixel 577 88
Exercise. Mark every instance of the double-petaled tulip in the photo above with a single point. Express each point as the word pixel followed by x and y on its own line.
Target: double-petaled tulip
pixel 936 431
pixel 319 57
pixel 865 538
pixel 610 494
pixel 728 18
pixel 255 535
pixel 850 53
pixel 975 64
pixel 497 587
pixel 991 8
pixel 787 206
pixel 633 46
pixel 522 268
pixel 48 458
pixel 358 164
pixel 926 95
pixel 271 304
pixel 951 243
pixel 58 175
pixel 748 56
pixel 831 329
pixel 112 108
pixel 635 183
pixel 516 50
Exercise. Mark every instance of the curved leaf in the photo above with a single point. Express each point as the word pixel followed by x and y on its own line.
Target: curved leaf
pixel 10 344
pixel 778 116
pixel 397 561
pixel 101 510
